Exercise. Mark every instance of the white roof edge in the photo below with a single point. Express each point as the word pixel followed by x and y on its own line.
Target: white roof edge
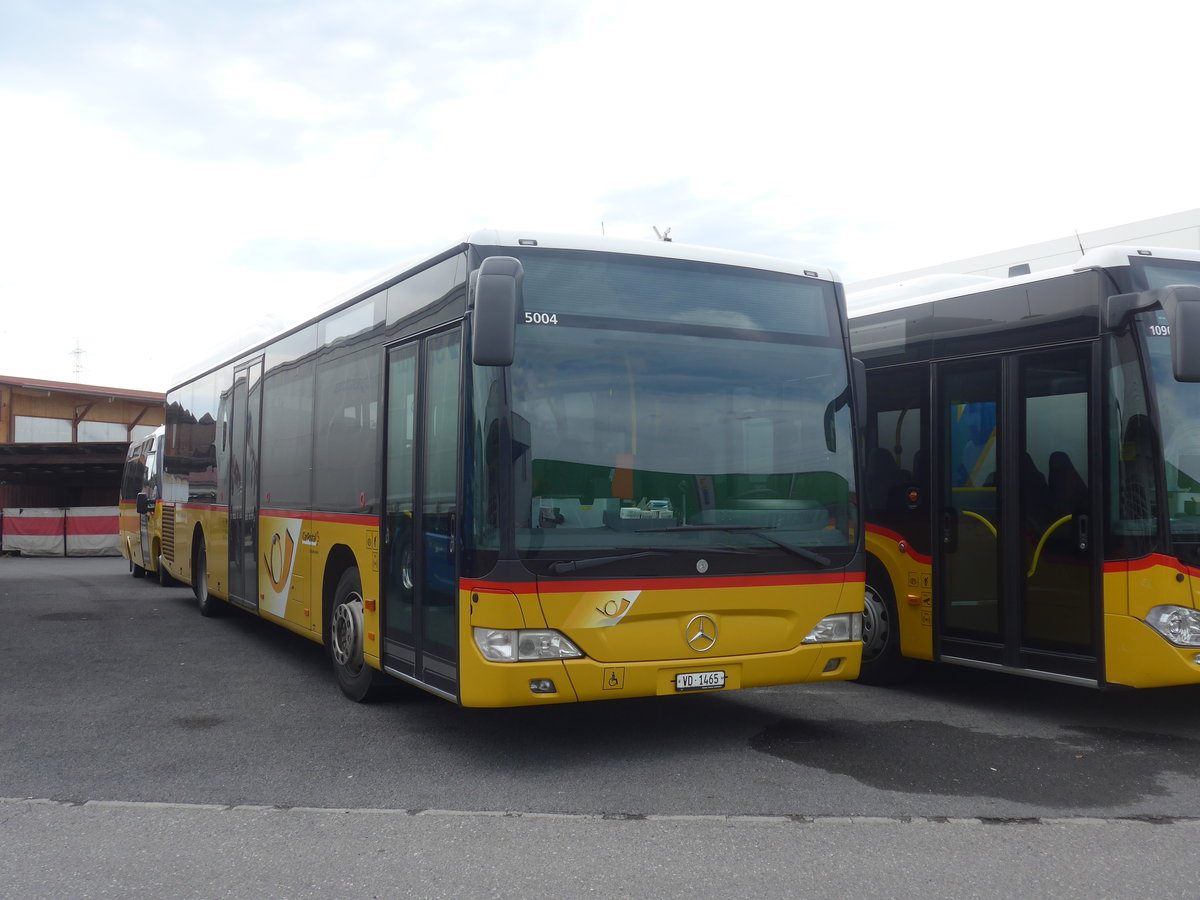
pixel 1119 254
pixel 664 249
pixel 899 295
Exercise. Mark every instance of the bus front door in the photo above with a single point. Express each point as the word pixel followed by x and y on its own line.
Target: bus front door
pixel 1017 560
pixel 421 480
pixel 244 417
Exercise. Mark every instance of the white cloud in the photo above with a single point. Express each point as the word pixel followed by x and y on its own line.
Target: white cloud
pixel 190 171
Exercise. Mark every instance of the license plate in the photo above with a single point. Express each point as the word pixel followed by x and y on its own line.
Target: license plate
pixel 699 681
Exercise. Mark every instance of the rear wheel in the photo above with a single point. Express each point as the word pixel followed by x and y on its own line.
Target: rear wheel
pixel 208 604
pixel 357 680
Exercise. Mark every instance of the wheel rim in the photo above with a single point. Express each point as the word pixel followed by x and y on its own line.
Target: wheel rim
pixel 876 625
pixel 347 634
pixel 201 576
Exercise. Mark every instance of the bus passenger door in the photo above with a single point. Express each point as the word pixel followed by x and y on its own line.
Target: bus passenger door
pixel 1016 554
pixel 245 415
pixel 421 480
pixel 967 567
pixel 1059 553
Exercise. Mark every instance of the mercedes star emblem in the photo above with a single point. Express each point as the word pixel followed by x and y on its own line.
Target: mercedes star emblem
pixel 701 633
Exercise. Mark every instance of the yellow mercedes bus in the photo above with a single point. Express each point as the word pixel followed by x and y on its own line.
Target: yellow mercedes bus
pixel 539 469
pixel 1032 486
pixel 141 485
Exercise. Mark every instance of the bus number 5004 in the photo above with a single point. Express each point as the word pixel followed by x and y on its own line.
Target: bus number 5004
pixel 532 318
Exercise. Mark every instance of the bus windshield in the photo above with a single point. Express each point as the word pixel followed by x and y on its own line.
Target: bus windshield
pixel 1179 417
pixel 705 410
pixel 1178 404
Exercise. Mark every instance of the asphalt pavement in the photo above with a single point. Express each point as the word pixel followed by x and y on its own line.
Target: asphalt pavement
pixel 148 751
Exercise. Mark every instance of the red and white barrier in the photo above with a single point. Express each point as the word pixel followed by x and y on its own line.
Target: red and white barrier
pixel 75 531
pixel 93 531
pixel 34 532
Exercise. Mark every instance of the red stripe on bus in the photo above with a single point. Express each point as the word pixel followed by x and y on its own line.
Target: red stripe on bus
pixel 369 519
pixel 1154 560
pixel 903 543
pixel 667 584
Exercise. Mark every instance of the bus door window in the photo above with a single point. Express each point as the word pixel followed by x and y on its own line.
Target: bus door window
pixel 421 582
pixel 971 499
pixel 1056 612
pixel 439 495
pixel 245 412
pixel 401 436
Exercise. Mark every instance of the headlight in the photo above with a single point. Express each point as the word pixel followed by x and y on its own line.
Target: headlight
pixel 1178 624
pixel 510 645
pixel 834 629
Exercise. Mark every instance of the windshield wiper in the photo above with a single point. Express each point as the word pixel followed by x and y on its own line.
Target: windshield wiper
pixel 757 530
pixel 564 566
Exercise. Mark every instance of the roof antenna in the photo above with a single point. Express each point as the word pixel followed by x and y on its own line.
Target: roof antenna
pixel 77 366
pixel 662 235
pixel 1080 242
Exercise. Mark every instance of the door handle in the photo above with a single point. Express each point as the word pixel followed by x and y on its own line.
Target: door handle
pixel 1082 533
pixel 949 529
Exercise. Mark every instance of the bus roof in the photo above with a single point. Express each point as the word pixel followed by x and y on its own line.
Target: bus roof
pixel 496 237
pixel 519 239
pixel 930 288
pixel 665 249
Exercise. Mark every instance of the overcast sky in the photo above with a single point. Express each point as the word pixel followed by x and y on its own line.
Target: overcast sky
pixel 174 175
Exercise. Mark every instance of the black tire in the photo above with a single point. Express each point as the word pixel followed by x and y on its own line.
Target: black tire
pixel 358 681
pixel 208 605
pixel 164 577
pixel 881 661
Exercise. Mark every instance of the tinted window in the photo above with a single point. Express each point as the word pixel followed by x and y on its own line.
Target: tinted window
pixel 892 337
pixel 359 318
pixel 429 295
pixel 287 443
pixel 345 477
pixel 682 292
pixel 897 481
pixel 191 438
pixel 134 476
pixel 1161 274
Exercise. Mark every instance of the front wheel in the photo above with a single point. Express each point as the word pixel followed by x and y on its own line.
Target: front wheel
pixel 164 577
pixel 358 681
pixel 881 659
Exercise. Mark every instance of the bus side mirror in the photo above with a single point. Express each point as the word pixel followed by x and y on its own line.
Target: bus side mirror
pixel 497 302
pixel 1181 303
pixel 143 504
